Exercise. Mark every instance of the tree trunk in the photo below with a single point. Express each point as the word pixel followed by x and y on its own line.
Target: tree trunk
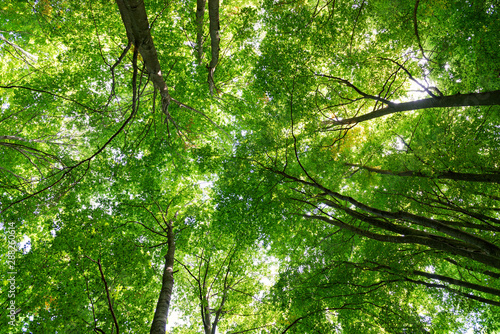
pixel 468 245
pixel 136 23
pixel 200 15
pixel 448 175
pixel 213 13
pixel 207 322
pixel 471 242
pixel 457 100
pixel 455 291
pixel 435 225
pixel 161 313
pixel 458 282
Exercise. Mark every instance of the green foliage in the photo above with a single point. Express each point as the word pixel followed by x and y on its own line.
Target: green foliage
pixel 287 218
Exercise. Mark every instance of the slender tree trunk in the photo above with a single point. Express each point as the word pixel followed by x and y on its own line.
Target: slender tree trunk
pixel 457 100
pixel 436 225
pixel 458 292
pixel 213 13
pixel 432 241
pixel 468 241
pixel 486 272
pixel 163 305
pixel 200 15
pixel 457 282
pixel 448 175
pixel 469 246
pixel 207 323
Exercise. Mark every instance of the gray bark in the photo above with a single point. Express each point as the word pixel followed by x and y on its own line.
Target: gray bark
pixel 200 14
pixel 163 305
pixel 469 246
pixel 136 23
pixel 457 100
pixel 213 13
pixel 448 175
pixel 461 283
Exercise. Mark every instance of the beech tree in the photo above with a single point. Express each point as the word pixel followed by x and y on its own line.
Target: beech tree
pixel 409 185
pixel 250 167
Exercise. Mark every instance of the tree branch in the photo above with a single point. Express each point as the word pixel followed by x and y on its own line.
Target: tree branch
pixel 457 100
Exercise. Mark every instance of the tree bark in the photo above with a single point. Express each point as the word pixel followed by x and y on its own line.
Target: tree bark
pixel 161 313
pixel 207 322
pixel 435 225
pixel 205 310
pixel 458 292
pixel 448 175
pixel 135 20
pixel 435 277
pixel 213 13
pixel 457 282
pixel 469 246
pixel 200 15
pixel 457 100
pixel 439 243
pixel 472 243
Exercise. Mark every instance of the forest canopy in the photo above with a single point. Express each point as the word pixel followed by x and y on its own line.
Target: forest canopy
pixel 309 166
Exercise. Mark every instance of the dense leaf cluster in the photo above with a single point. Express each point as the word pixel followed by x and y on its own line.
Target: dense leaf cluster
pixel 256 167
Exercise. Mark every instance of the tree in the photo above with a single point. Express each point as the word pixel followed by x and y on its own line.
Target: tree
pixel 342 164
pixel 326 168
pixel 225 286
